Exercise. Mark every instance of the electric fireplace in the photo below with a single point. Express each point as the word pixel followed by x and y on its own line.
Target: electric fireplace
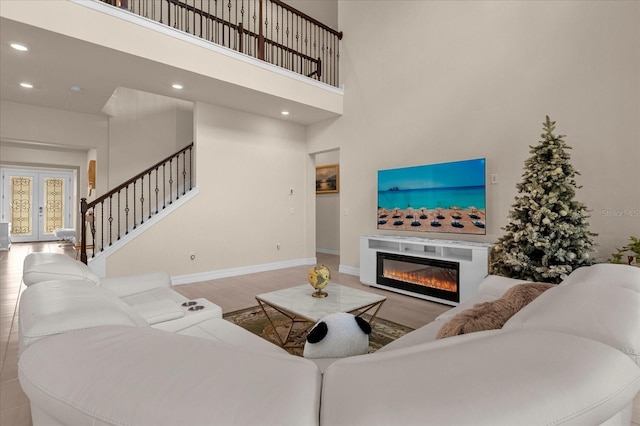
pixel 464 264
pixel 430 277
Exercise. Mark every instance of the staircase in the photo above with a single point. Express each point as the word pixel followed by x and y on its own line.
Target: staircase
pixel 111 217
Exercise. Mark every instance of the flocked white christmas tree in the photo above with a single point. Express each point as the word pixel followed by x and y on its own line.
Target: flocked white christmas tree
pixel 548 234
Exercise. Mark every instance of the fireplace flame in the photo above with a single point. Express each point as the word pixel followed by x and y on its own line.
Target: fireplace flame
pixel 420 278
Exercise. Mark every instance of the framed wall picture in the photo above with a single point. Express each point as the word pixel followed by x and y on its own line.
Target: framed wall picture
pixel 327 179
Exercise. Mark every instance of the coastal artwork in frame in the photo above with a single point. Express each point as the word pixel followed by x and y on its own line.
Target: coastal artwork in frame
pixel 444 197
pixel 327 179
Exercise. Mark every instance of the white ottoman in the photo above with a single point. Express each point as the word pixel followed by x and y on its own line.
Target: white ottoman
pixel 66 234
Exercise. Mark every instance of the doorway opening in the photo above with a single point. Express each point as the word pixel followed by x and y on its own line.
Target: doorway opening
pixel 36 202
pixel 328 205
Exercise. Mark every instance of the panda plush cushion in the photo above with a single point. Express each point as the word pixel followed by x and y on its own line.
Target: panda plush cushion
pixel 336 336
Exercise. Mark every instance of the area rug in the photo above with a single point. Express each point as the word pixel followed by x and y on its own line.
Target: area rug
pixel 254 320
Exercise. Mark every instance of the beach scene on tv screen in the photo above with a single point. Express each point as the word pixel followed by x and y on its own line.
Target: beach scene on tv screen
pixel 444 197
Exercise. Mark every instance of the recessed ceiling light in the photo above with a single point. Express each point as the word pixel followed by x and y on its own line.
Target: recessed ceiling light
pixel 177 86
pixel 26 85
pixel 20 47
pixel 75 89
pixel 285 113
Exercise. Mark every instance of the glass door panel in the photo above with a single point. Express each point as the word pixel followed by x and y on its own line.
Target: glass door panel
pixel 21 217
pixel 54 192
pixel 36 203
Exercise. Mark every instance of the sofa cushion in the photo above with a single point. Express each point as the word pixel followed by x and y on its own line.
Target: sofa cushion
pixel 496 285
pixel 143 376
pixel 222 331
pixel 155 294
pixel 55 307
pixel 424 334
pixel 617 275
pixel 159 311
pixel 604 306
pixel 39 267
pixel 493 315
pixel 483 316
pixel 529 377
pixel 131 285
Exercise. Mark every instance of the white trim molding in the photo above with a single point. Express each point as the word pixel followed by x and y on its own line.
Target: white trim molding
pixel 244 270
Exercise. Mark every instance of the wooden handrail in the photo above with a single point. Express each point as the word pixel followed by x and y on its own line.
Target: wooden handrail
pixel 136 177
pixel 201 13
pixel 308 18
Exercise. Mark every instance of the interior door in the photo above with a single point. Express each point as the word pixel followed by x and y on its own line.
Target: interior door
pixel 36 203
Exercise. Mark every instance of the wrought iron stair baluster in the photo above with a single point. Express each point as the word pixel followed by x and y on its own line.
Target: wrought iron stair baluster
pixel 104 226
pixel 270 37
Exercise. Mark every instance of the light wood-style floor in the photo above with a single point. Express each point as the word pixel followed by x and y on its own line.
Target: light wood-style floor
pixel 229 293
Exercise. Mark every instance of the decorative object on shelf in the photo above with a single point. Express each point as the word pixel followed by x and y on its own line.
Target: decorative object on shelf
pixel 327 179
pixel 548 234
pixel 91 176
pixel 633 247
pixel 319 277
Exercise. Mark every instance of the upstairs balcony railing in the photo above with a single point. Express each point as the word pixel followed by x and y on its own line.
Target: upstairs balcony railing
pixel 269 30
pixel 113 215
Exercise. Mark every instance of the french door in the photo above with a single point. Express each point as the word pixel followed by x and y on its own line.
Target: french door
pixel 36 203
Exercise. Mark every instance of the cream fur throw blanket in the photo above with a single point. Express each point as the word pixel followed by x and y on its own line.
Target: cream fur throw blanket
pixel 493 315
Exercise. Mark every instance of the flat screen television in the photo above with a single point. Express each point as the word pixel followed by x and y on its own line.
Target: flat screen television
pixel 444 197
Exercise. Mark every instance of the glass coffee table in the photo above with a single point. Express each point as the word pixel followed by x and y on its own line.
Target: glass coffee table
pixel 297 304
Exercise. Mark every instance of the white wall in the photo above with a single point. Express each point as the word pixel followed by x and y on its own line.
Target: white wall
pixel 325 11
pixel 48 137
pixel 246 166
pixel 144 128
pixel 428 82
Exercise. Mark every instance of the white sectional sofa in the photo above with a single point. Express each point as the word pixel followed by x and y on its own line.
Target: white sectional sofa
pixel 57 302
pixel 89 357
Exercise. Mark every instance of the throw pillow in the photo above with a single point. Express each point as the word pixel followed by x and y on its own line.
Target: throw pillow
pixel 493 315
pixel 522 294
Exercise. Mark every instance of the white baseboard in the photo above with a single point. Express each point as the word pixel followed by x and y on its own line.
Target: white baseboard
pixel 350 270
pixel 244 270
pixel 327 251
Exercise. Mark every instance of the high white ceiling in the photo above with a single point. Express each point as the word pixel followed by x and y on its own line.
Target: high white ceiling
pixel 56 62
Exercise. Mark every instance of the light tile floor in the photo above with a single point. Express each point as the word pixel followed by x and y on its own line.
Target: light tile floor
pixel 230 293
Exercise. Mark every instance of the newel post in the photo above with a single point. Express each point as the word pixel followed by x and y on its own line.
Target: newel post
pixel 83 231
pixel 260 34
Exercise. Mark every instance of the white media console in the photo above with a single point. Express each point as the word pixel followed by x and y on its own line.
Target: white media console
pixel 472 258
